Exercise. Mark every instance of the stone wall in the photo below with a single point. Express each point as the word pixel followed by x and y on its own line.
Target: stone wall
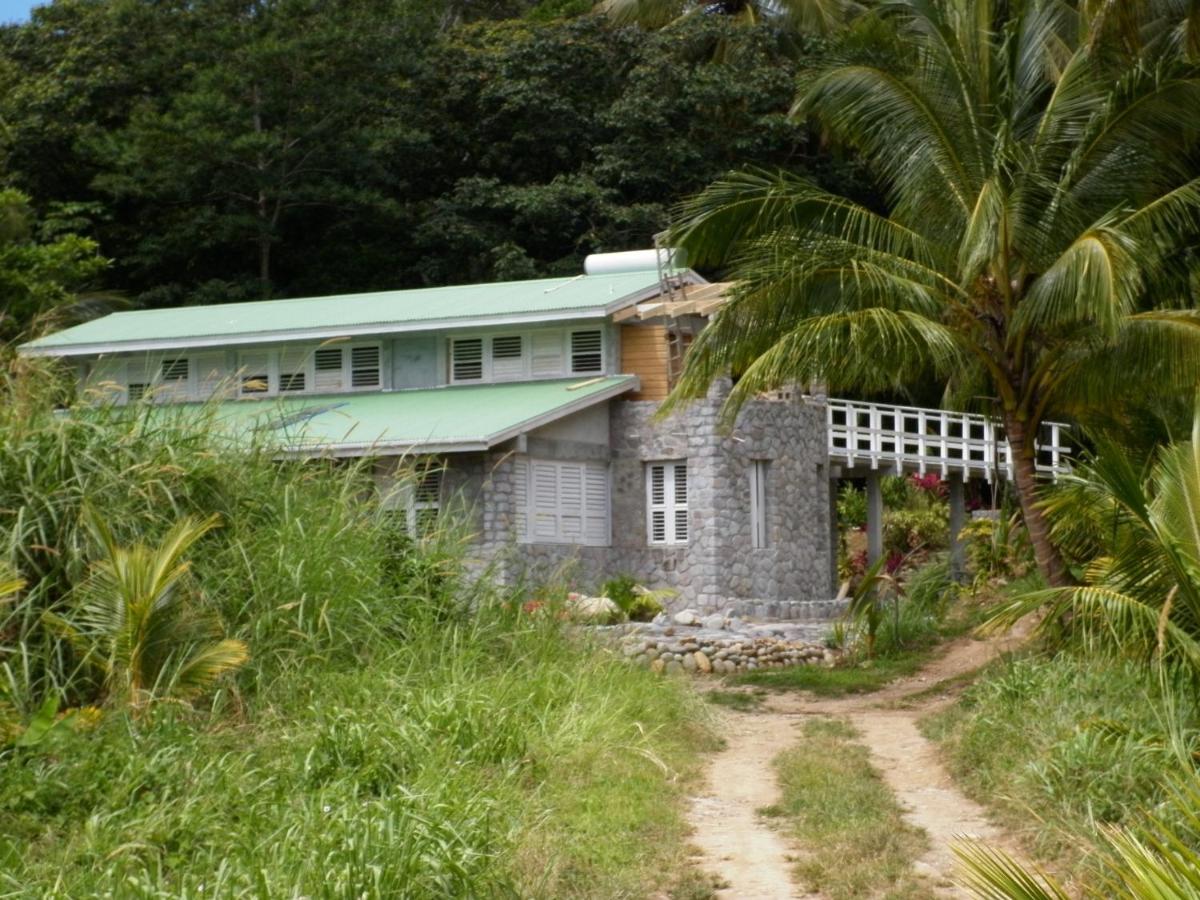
pixel 718 569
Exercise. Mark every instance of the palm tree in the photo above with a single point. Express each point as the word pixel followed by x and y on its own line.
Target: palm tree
pixel 1155 860
pixel 1038 195
pixel 135 622
pixel 1139 525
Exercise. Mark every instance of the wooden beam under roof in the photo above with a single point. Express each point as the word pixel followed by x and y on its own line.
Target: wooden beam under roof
pixel 698 300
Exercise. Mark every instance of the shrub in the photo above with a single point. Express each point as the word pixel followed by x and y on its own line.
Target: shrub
pixel 851 506
pixel 921 529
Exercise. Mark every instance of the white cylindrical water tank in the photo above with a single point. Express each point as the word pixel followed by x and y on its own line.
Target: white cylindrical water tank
pixel 634 261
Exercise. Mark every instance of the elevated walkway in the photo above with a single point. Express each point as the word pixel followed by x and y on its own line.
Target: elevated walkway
pixel 870 440
pixel 898 440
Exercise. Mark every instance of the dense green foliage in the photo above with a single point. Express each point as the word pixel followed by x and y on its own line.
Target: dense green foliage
pixel 398 728
pixel 1063 745
pixel 230 150
pixel 1040 204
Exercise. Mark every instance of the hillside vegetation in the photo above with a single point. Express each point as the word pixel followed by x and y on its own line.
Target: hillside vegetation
pixel 397 727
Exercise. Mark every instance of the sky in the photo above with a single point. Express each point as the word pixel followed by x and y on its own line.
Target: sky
pixel 15 10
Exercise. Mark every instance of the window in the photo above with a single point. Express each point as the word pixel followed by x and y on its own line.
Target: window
pixel 508 357
pixel 547 353
pixel 175 370
pixel 466 356
pixel 758 503
pixel 327 369
pixel 587 352
pixel 563 502
pixel 364 366
pixel 293 371
pixel 667 502
pixel 255 373
pixel 137 390
pixel 425 502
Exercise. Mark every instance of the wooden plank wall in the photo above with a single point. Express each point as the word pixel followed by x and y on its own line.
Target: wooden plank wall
pixel 644 354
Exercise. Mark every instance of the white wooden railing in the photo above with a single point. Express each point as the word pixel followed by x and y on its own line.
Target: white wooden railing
pixel 911 439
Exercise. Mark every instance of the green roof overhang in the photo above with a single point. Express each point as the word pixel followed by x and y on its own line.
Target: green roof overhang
pixel 502 304
pixel 437 420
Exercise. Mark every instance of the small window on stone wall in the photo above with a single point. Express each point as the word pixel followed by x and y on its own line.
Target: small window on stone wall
pixel 758 503
pixel 667 502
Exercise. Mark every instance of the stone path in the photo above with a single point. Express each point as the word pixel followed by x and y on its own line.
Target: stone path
pixel 753 860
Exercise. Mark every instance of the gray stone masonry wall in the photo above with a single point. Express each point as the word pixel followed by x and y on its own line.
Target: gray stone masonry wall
pixel 717 569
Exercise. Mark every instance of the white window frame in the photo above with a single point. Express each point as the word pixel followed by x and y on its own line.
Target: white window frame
pixel 274 369
pixel 759 476
pixel 425 495
pixel 534 347
pixel 669 505
pixel 552 519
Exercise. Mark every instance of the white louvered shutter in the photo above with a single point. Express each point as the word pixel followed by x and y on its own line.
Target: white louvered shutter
pixel 596 528
pixel 587 352
pixel 667 503
pixel 508 357
pixel 543 488
pixel 521 499
pixel 547 355
pixel 174 378
pixel 293 371
pixel 570 503
pixel 365 366
pixel 254 372
pixel 680 502
pixel 211 376
pixel 328 370
pixel 466 359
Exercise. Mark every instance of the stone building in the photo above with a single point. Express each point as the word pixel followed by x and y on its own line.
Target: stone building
pixel 530 404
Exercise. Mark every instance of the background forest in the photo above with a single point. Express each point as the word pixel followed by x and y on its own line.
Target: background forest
pixel 233 150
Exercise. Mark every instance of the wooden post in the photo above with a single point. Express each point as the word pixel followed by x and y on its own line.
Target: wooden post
pixel 874 519
pixel 958 512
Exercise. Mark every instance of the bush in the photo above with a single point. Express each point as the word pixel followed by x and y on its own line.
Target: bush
pixel 638 604
pixel 396 732
pixel 920 529
pixel 851 506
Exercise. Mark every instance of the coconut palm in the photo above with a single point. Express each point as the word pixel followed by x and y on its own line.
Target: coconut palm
pixel 1139 525
pixel 1037 200
pixel 136 622
pixel 1156 860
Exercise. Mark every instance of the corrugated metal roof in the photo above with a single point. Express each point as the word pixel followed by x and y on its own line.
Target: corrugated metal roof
pixel 438 419
pixel 543 299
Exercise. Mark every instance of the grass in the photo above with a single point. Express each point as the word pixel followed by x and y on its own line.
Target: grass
pixel 1060 746
pixel 400 729
pixel 857 842
pixel 742 701
pixel 854 677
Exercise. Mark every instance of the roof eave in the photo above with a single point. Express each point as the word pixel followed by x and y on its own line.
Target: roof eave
pixel 372 329
pixel 473 444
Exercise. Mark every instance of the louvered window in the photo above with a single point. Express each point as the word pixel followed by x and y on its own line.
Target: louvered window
pixel 174 370
pixel 587 352
pixel 466 359
pixel 364 366
pixel 137 390
pixel 547 353
pixel 667 503
pixel 508 357
pixel 426 502
pixel 758 503
pixel 211 376
pixel 255 373
pixel 564 502
pixel 293 371
pixel 328 369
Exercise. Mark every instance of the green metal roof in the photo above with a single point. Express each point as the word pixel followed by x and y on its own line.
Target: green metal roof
pixel 423 309
pixel 445 419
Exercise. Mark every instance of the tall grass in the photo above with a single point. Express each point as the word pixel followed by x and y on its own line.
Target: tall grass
pixel 399 730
